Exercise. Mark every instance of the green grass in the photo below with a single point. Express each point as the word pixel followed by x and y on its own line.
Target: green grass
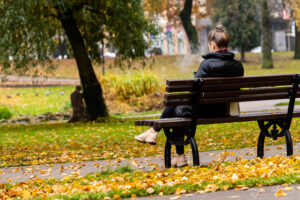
pixel 286 103
pixel 35 101
pixel 112 138
pixel 137 114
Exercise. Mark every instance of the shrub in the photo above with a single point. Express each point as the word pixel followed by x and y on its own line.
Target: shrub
pixel 5 113
pixel 139 91
pixel 130 85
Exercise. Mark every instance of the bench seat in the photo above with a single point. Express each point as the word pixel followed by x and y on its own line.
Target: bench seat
pixel 250 116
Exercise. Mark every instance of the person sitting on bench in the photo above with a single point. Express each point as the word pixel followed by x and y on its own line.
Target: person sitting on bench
pixel 219 62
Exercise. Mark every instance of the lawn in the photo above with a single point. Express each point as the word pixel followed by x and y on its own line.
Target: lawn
pixel 112 138
pixel 125 183
pixel 35 101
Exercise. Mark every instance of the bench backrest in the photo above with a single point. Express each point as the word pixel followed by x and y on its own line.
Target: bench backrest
pixel 231 89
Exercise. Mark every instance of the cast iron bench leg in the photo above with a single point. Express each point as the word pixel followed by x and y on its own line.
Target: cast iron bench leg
pixel 274 134
pixel 260 145
pixel 195 152
pixel 168 154
pixel 289 143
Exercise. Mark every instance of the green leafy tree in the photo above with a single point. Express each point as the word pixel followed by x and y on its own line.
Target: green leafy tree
pixel 267 36
pixel 30 29
pixel 241 20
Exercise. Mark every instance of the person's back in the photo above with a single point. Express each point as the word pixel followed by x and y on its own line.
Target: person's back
pixel 218 63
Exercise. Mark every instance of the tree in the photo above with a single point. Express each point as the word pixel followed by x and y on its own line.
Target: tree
pixel 181 12
pixel 29 31
pixel 190 29
pixel 267 37
pixel 296 8
pixel 241 21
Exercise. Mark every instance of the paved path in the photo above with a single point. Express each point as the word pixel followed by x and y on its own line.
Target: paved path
pixel 19 174
pixel 264 105
pixel 26 81
pixel 262 193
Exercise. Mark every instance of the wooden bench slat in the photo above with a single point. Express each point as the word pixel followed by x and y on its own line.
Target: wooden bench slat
pixel 178 102
pixel 228 80
pixel 242 98
pixel 220 94
pixel 172 96
pixel 182 88
pixel 253 116
pixel 255 91
pixel 245 85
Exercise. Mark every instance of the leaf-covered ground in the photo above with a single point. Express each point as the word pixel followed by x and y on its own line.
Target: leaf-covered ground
pixel 112 138
pixel 126 183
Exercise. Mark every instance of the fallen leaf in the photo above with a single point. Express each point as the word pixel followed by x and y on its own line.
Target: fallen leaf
pixel 288 188
pixel 150 190
pixel 280 193
pixel 176 197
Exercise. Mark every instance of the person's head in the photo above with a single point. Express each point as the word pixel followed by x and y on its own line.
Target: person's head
pixel 78 88
pixel 218 39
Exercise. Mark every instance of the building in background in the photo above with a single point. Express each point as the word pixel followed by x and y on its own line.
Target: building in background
pixel 283 25
pixel 172 40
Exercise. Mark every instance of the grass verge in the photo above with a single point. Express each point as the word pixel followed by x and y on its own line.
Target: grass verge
pixel 286 103
pixel 125 183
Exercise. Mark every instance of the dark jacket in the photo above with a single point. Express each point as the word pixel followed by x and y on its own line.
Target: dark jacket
pixel 219 64
pixel 216 64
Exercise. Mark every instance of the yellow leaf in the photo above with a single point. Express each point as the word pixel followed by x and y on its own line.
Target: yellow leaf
pixel 116 196
pixel 232 153
pixel 225 187
pixel 150 190
pixel 26 194
pixel 179 190
pixel 211 188
pixel 288 188
pixel 280 193
pixel 177 197
pixel 261 190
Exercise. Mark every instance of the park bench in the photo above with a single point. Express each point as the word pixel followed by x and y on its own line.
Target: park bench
pixel 226 90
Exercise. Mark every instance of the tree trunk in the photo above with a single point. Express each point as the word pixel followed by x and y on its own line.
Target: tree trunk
pixel 243 54
pixel 92 91
pixel 267 37
pixel 297 44
pixel 185 16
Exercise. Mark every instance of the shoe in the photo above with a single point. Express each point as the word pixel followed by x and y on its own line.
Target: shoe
pixel 143 136
pixel 174 160
pixel 181 160
pixel 151 138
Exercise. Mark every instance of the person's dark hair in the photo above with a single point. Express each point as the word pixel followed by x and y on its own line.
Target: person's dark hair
pixel 219 36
